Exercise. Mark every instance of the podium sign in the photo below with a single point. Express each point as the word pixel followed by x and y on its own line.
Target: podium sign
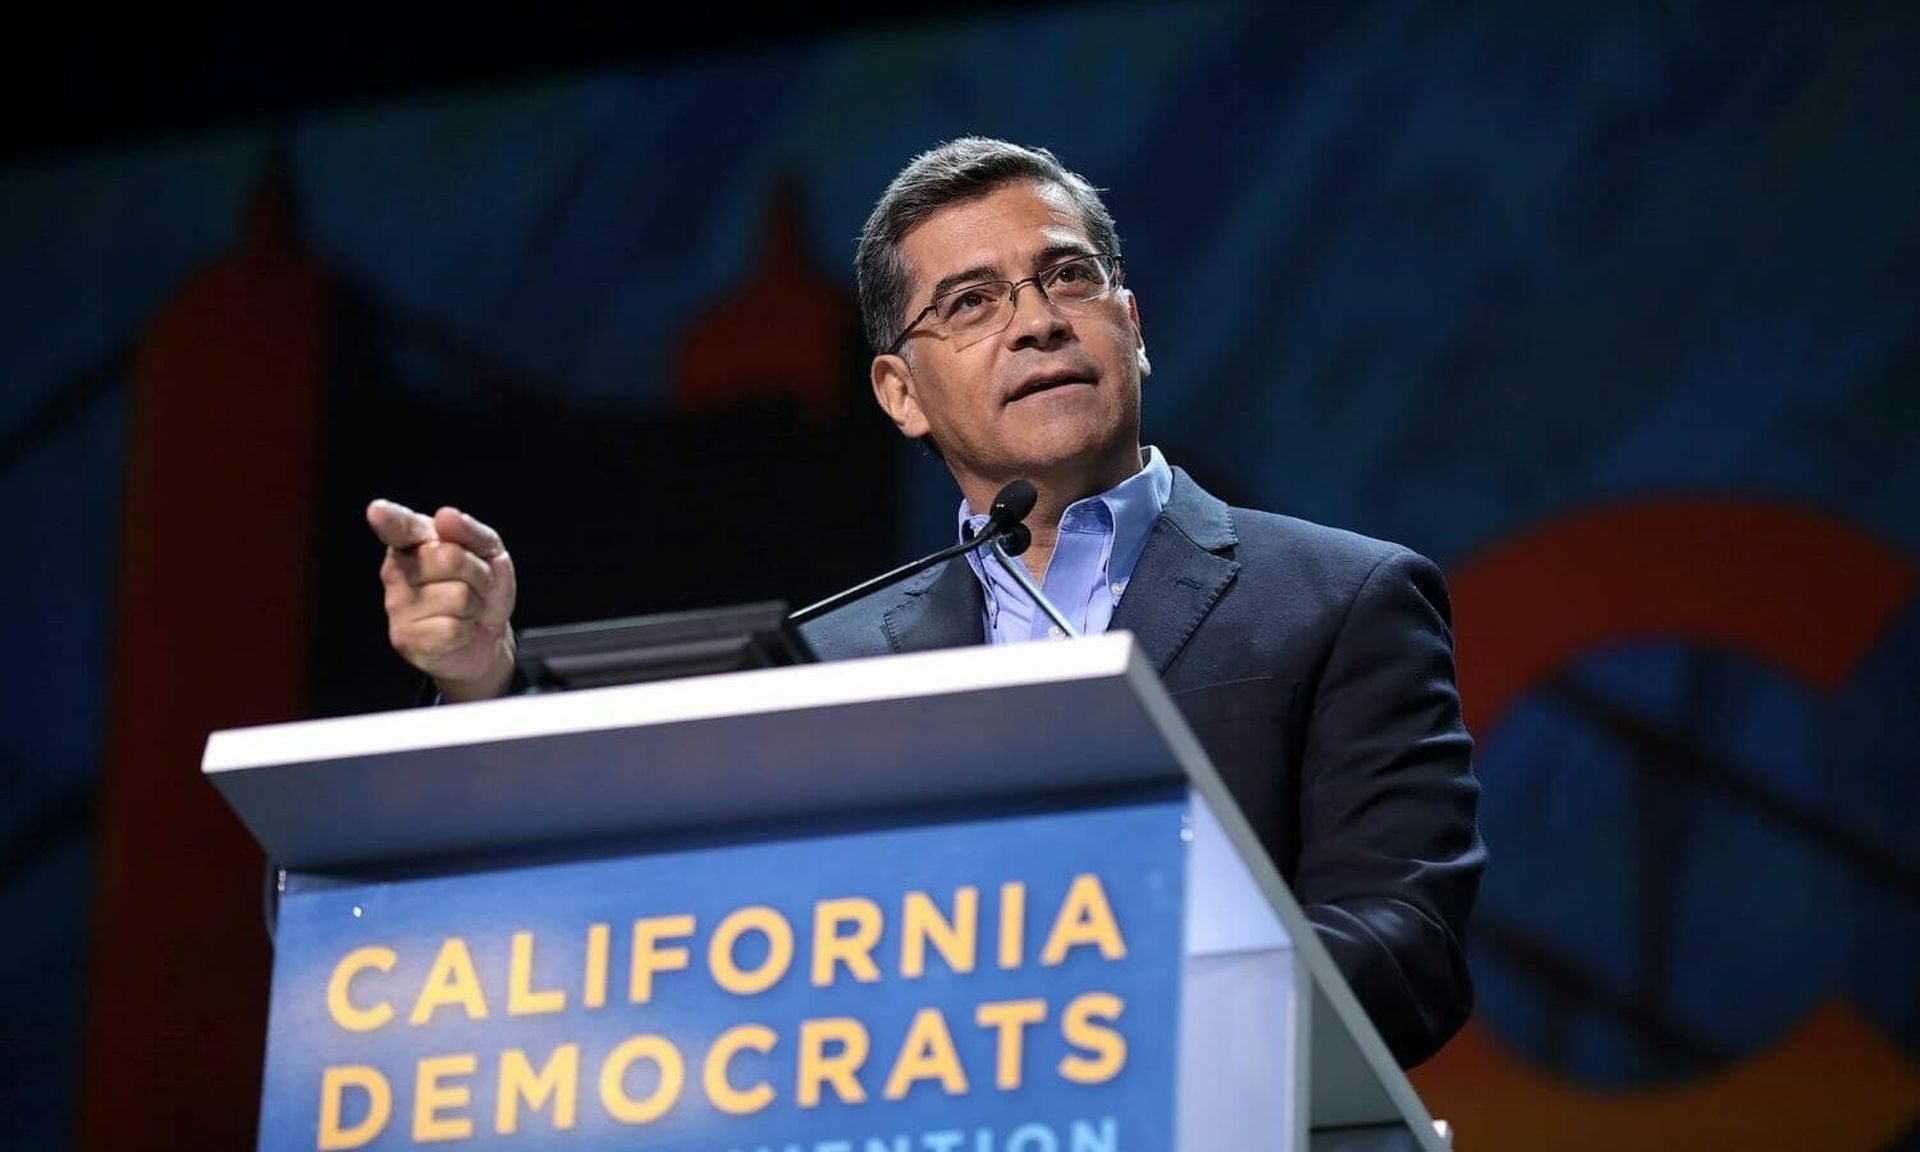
pixel 1001 983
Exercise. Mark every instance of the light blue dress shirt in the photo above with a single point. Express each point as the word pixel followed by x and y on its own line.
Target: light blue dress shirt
pixel 1101 538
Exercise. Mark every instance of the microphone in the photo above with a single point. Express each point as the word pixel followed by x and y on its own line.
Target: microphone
pixel 1010 506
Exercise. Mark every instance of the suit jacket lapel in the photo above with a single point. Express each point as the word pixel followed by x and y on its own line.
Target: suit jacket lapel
pixel 940 608
pixel 1182 572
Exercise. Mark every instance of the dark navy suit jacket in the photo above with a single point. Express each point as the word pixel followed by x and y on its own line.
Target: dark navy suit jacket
pixel 1316 668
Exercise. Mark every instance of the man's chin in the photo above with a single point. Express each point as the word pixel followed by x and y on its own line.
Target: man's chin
pixel 1076 462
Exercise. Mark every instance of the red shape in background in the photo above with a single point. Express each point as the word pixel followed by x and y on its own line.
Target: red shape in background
pixel 1791 588
pixel 782 332
pixel 211 631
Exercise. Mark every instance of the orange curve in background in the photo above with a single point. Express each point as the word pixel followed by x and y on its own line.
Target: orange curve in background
pixel 1832 1083
pixel 1790 588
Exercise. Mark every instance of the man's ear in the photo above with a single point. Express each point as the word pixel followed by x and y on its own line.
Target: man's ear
pixel 893 387
pixel 1139 336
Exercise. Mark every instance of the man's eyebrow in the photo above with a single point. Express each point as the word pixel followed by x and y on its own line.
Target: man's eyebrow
pixel 971 275
pixel 1055 253
pixel 1045 258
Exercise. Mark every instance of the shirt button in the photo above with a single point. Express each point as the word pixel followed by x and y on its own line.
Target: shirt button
pixel 1054 633
pixel 1118 587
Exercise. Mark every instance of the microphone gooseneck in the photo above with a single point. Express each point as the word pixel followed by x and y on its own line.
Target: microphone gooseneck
pixel 1011 505
pixel 1018 571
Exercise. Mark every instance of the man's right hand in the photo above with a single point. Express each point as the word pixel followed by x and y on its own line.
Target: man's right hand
pixel 449 595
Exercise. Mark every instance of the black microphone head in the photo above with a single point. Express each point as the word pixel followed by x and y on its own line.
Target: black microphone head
pixel 1013 503
pixel 1015 539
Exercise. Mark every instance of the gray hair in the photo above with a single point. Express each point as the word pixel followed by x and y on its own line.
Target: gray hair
pixel 955 172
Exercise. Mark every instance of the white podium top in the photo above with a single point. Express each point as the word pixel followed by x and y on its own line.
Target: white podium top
pixel 836 739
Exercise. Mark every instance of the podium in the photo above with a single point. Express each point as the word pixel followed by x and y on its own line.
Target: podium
pixel 991 899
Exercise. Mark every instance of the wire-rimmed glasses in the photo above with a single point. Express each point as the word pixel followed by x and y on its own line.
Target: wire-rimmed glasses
pixel 970 313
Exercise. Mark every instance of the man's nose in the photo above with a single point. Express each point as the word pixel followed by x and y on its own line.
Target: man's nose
pixel 1042 320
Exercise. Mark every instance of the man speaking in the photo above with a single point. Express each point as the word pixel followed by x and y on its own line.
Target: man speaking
pixel 1314 665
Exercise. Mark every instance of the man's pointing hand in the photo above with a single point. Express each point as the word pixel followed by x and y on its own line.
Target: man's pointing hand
pixel 449 597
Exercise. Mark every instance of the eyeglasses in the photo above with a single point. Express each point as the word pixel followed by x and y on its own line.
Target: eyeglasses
pixel 972 312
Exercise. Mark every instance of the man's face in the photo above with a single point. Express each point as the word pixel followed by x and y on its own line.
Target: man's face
pixel 1054 398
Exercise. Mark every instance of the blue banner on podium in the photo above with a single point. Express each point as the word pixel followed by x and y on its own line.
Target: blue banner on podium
pixel 996 985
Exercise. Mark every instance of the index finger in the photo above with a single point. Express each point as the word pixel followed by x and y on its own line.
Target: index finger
pixel 398 526
pixel 457 527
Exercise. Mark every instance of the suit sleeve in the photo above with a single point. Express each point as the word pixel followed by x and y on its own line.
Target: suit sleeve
pixel 1390 850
